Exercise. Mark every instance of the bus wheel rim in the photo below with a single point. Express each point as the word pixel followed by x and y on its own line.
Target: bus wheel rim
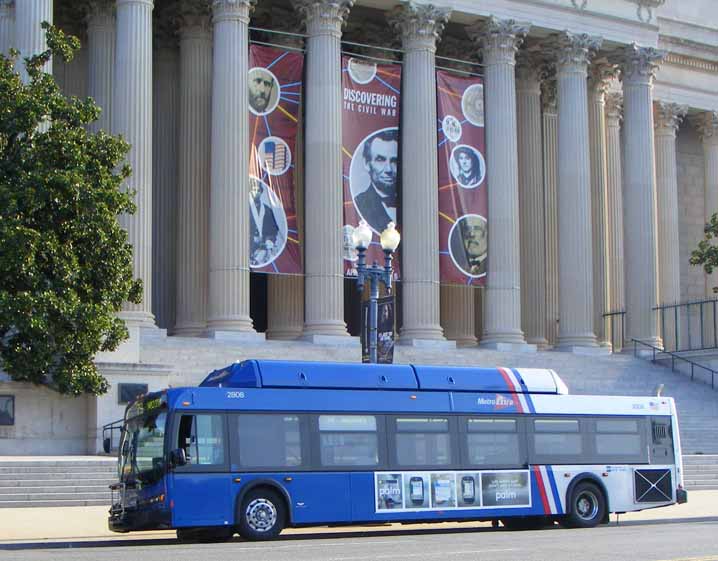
pixel 261 515
pixel 587 505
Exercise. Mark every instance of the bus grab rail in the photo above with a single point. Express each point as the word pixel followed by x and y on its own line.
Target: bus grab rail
pixel 108 433
pixel 674 357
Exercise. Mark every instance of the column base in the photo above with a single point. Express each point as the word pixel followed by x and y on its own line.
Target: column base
pixel 541 343
pixel 417 343
pixel 190 331
pixel 583 350
pixel 466 342
pixel 513 337
pixel 508 347
pixel 241 324
pixel 236 336
pixel 328 328
pixel 136 318
pixel 588 340
pixel 430 333
pixel 284 335
pixel 331 340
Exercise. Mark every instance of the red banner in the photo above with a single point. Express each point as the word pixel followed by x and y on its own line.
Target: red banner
pixel 275 89
pixel 463 199
pixel 370 146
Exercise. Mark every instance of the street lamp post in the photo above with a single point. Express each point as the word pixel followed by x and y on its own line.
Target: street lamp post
pixel 390 239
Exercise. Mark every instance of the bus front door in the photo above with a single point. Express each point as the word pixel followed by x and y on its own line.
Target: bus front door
pixel 200 489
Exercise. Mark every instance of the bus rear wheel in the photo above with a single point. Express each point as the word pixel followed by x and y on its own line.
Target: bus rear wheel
pixel 262 515
pixel 587 506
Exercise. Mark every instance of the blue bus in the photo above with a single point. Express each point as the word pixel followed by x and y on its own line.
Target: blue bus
pixel 264 445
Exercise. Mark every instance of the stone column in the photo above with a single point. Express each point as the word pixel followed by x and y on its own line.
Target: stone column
pixel 132 118
pixel 614 219
pixel 458 314
pixel 574 193
pixel 499 40
pixel 598 85
pixel 323 265
pixel 550 166
pixel 101 60
pixel 285 293
pixel 29 36
pixel 195 136
pixel 7 25
pixel 667 118
pixel 639 219
pixel 531 202
pixel 420 27
pixel 707 125
pixel 165 100
pixel 229 192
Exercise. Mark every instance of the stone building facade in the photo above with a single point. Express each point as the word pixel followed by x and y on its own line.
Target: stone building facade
pixel 602 158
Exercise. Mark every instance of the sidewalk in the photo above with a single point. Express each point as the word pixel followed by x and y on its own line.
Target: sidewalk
pixel 86 524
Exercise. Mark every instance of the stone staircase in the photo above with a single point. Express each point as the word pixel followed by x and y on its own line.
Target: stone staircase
pixel 598 374
pixel 56 481
pixel 700 472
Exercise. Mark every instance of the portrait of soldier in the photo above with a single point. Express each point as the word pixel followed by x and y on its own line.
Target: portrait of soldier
pixel 263 91
pixel 466 166
pixel 377 202
pixel 264 231
pixel 468 244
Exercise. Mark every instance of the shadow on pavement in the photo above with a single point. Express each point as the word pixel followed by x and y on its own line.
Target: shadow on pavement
pixel 124 542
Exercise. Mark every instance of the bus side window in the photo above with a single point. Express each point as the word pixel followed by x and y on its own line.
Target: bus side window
pixel 493 442
pixel 202 438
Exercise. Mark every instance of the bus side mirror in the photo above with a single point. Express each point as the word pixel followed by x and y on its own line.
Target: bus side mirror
pixel 178 457
pixel 106 445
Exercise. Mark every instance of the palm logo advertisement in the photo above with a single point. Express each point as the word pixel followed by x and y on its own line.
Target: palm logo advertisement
pixel 370 148
pixel 463 198
pixel 275 90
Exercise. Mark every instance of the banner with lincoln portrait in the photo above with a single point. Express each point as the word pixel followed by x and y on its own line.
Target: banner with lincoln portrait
pixel 370 148
pixel 463 199
pixel 275 89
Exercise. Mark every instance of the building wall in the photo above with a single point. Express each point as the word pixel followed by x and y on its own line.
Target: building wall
pixel 45 423
pixel 689 154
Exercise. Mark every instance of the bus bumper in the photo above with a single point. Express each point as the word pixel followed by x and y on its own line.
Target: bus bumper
pixel 128 520
pixel 681 496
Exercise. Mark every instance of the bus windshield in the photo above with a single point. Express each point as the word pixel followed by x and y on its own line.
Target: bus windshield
pixel 142 448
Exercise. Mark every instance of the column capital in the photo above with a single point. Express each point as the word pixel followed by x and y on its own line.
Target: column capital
pixel 100 14
pixel 279 18
pixel 193 19
pixel 707 125
pixel 324 17
pixel 574 51
pixel 420 25
pixel 549 91
pixel 600 73
pixel 529 72
pixel 499 39
pixel 614 106
pixel 232 10
pixel 6 7
pixel 667 117
pixel 639 64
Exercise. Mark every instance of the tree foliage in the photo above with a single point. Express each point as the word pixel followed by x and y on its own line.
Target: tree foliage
pixel 707 252
pixel 65 262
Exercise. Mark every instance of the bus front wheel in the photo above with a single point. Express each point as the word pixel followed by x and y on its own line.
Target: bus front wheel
pixel 587 506
pixel 262 515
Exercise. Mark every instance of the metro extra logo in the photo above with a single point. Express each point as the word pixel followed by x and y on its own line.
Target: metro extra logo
pixel 498 402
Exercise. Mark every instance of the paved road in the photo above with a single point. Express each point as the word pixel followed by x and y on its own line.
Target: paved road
pixel 635 541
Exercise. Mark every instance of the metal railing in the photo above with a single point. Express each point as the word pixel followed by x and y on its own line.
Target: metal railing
pixel 689 326
pixel 615 328
pixel 674 357
pixel 111 435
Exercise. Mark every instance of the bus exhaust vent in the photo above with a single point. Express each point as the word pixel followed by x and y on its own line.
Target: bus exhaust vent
pixel 653 485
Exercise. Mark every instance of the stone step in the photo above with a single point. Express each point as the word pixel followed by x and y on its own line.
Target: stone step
pixel 55 503
pixel 42 490
pixel 100 463
pixel 59 475
pixel 40 497
pixel 4 483
pixel 64 469
pixel 701 488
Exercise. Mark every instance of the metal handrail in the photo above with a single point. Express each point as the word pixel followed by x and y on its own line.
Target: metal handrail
pixel 608 317
pixel 672 314
pixel 111 428
pixel 674 358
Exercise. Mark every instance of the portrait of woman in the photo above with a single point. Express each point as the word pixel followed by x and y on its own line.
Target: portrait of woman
pixel 467 166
